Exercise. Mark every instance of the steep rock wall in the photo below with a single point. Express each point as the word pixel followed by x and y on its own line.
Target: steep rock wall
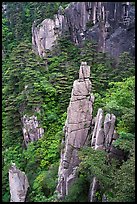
pixel 45 34
pixel 79 118
pixel 110 24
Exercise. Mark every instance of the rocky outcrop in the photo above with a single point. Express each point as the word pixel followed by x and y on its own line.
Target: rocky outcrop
pixel 18 183
pixel 77 126
pixel 31 129
pixel 103 137
pixel 45 34
pixel 110 24
pixel 93 189
pixel 80 130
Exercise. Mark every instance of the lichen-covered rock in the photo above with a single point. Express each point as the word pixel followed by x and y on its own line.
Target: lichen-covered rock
pixel 79 118
pixel 31 129
pixel 18 183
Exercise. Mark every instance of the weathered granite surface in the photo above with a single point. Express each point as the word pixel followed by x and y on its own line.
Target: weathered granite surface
pixel 79 117
pixel 31 129
pixel 45 34
pixel 18 183
pixel 110 24
pixel 103 136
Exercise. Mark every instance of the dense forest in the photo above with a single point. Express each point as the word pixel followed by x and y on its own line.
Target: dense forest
pixel 48 83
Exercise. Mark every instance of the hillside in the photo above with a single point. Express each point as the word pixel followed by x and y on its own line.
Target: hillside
pixel 68 67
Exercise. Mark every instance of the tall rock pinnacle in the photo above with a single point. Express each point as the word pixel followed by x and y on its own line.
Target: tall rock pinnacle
pixel 18 183
pixel 79 118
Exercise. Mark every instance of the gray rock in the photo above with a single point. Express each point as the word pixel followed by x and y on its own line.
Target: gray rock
pixel 79 118
pixel 103 136
pixel 93 189
pixel 81 88
pixel 31 129
pixel 104 198
pixel 109 135
pixel 18 183
pixel 109 24
pixel 115 135
pixel 97 136
pixel 45 34
pixel 84 71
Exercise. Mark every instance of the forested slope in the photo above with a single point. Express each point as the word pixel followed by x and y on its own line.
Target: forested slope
pixel 29 81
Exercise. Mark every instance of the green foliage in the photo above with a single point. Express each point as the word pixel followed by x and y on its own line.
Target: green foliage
pixel 120 100
pixel 125 141
pixel 95 163
pixel 29 82
pixel 118 184
pixel 124 189
pixel 78 191
pixel 89 24
pixel 125 67
pixel 46 181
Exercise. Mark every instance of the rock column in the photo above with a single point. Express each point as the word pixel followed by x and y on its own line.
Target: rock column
pixel 79 118
pixel 18 183
pixel 103 137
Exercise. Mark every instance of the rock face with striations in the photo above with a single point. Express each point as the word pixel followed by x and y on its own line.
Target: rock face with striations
pixel 45 34
pixel 79 118
pixel 31 129
pixel 110 24
pixel 18 183
pixel 103 137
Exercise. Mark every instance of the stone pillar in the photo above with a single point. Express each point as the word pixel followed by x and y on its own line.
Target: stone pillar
pixel 18 183
pixel 102 135
pixel 79 118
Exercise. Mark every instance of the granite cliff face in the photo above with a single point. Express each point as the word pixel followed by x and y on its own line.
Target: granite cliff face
pixel 44 35
pixel 110 24
pixel 77 126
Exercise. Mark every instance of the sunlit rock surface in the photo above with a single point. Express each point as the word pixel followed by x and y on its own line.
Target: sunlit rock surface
pixel 79 118
pixel 18 183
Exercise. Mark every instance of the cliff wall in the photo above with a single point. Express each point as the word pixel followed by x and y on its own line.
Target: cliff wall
pixel 110 24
